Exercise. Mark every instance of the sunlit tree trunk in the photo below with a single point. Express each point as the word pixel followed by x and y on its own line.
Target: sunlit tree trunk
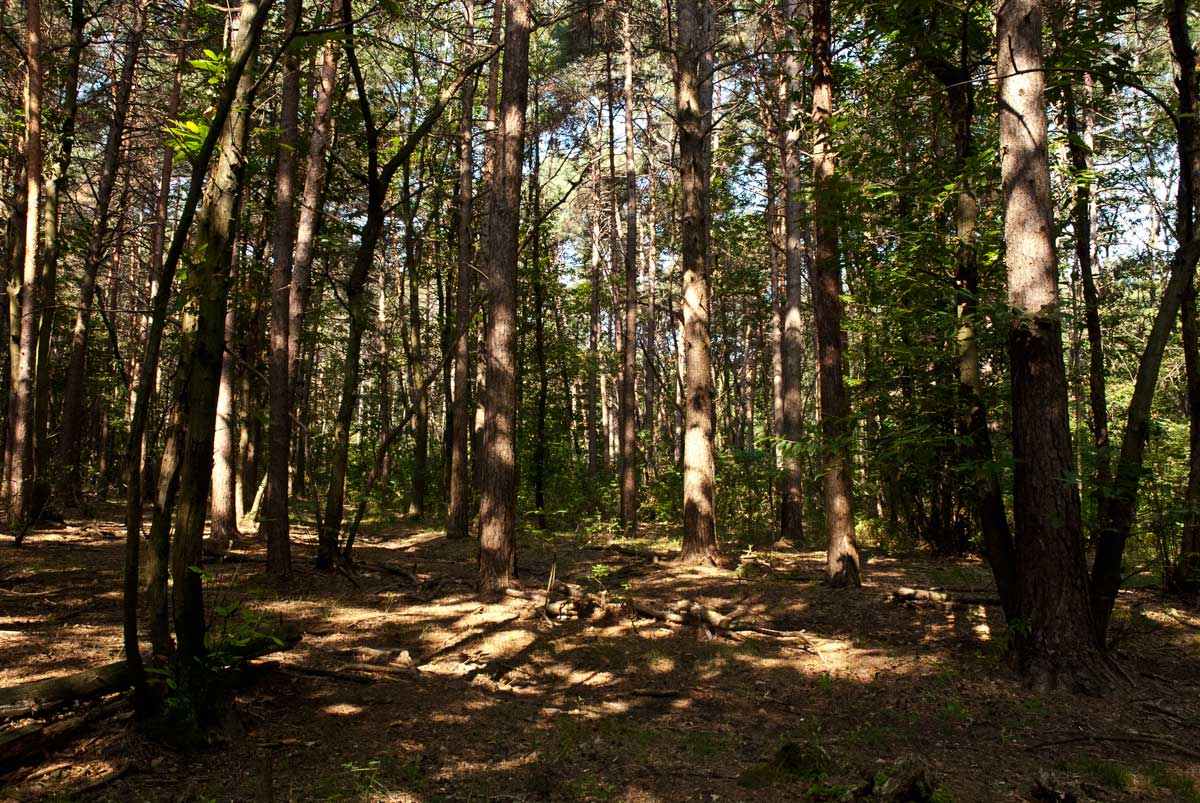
pixel 842 554
pixel 458 513
pixel 693 105
pixel 20 481
pixel 497 511
pixel 792 335
pixel 1059 645
pixel 275 526
pixel 628 417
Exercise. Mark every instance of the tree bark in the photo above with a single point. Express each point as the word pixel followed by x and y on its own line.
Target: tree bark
pixel 792 335
pixel 206 295
pixel 251 19
pixel 1056 646
pixel 225 510
pixel 1185 575
pixel 628 417
pixel 51 224
pixel 20 481
pixel 693 105
pixel 497 510
pixel 310 209
pixel 276 527
pixel 458 511
pixel 842 553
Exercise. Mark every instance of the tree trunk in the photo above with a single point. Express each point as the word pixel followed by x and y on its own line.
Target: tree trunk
pixel 55 190
pixel 497 511
pixel 541 450
pixel 595 432
pixel 252 16
pixel 1185 575
pixel 792 335
pixel 842 553
pixel 1120 505
pixel 20 481
pixel 1057 646
pixel 310 209
pixel 276 528
pixel 458 512
pixel 416 355
pixel 206 294
pixel 628 417
pixel 72 409
pixel 226 510
pixel 693 105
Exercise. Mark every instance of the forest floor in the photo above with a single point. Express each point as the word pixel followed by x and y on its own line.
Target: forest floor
pixel 473 702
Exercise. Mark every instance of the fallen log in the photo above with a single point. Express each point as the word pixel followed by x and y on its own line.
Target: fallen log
pixel 42 696
pixel 933 595
pixel 30 698
pixel 19 743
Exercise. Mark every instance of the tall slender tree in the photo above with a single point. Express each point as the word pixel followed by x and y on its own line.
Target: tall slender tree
pixel 826 281
pixel 497 510
pixel 693 108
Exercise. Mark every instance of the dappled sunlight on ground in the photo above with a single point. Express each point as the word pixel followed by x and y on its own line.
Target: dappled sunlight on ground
pixel 406 687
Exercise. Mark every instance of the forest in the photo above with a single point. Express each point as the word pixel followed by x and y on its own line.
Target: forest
pixel 600 400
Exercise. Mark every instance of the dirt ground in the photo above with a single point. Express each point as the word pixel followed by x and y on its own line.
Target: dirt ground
pixel 406 688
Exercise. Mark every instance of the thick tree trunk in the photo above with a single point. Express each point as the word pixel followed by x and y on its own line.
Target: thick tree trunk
pixel 458 512
pixel 68 457
pixel 276 528
pixel 843 568
pixel 497 511
pixel 20 481
pixel 628 417
pixel 1057 646
pixel 693 105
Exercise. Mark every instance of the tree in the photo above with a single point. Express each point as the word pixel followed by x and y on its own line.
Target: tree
pixel 693 108
pixel 498 492
pixel 628 417
pixel 457 515
pixel 20 481
pixel 826 284
pixel 1058 643
pixel 791 345
pixel 276 524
